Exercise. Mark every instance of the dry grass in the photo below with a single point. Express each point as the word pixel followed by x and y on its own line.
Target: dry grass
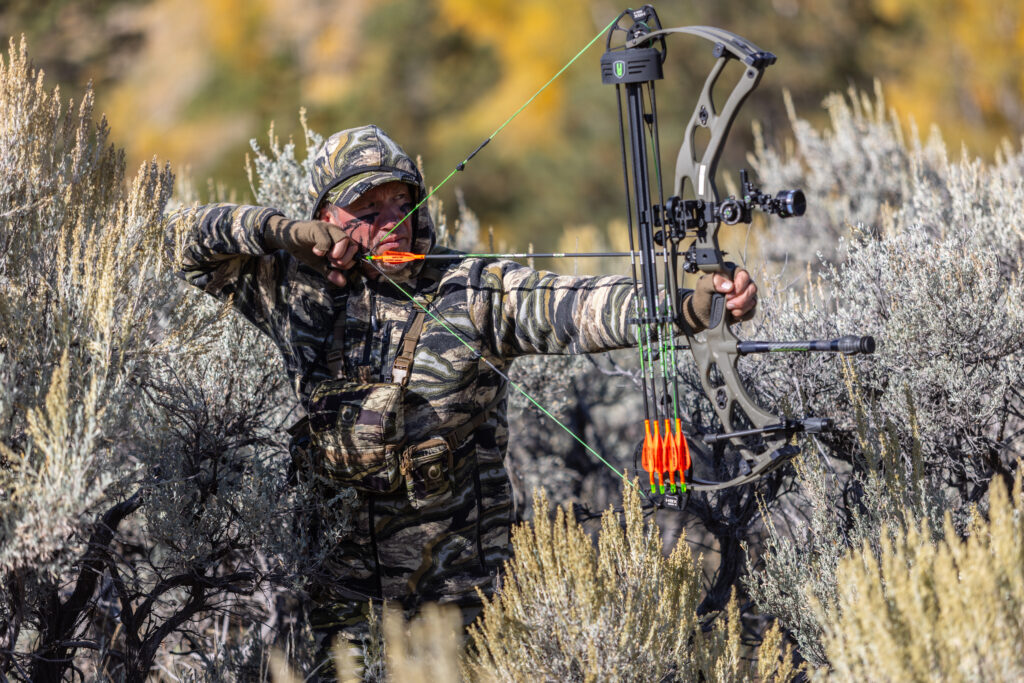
pixel 910 609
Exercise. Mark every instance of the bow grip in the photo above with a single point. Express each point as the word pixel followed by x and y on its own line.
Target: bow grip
pixel 727 268
pixel 717 310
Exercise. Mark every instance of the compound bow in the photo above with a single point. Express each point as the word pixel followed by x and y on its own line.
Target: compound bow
pixel 695 212
pixel 761 439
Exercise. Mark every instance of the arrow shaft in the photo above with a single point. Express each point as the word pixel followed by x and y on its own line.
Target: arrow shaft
pixel 404 257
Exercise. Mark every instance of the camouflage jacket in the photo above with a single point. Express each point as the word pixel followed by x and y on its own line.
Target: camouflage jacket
pixel 501 310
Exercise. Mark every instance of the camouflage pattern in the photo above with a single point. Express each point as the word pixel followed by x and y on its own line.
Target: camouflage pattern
pixel 442 538
pixel 350 150
pixel 359 428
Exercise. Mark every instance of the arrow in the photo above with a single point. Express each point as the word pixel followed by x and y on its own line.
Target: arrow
pixel 397 257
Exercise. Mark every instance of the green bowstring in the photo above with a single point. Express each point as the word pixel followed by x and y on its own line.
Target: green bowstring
pixel 500 128
pixel 505 377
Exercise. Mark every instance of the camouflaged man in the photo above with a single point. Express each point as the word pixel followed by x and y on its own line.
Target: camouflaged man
pixel 398 408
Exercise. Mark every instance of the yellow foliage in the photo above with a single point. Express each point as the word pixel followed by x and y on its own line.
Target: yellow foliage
pixel 958 67
pixel 147 105
pixel 184 48
pixel 233 30
pixel 425 649
pixel 81 265
pixel 532 39
pixel 774 659
pixel 329 49
pixel 623 611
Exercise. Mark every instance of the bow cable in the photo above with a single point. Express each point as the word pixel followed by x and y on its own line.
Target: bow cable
pixel 479 356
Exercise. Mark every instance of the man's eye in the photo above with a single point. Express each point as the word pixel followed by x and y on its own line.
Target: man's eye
pixel 369 217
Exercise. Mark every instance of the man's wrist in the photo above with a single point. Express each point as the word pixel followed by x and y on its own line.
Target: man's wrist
pixel 690 319
pixel 269 232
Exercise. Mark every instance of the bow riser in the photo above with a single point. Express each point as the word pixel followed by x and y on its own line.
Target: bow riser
pixel 700 175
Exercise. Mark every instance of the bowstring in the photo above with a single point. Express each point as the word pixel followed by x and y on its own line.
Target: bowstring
pixel 462 165
pixel 449 328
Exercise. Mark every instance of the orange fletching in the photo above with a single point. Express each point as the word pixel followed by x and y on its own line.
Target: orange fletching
pixel 649 452
pixel 684 452
pixel 659 456
pixel 671 454
pixel 396 257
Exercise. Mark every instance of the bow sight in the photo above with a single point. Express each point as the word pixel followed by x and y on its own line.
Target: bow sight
pixel 683 216
pixel 758 440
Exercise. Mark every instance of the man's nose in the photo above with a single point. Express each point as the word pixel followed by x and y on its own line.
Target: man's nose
pixel 390 214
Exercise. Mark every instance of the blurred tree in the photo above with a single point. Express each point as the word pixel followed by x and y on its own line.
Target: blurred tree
pixel 193 83
pixel 954 63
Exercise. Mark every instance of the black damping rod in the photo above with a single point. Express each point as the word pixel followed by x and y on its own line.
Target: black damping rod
pixel 851 345
pixel 641 329
pixel 644 223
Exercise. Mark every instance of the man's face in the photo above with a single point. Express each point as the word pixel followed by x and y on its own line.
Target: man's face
pixel 370 220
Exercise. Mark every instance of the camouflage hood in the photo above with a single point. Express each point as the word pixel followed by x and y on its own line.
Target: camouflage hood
pixel 355 160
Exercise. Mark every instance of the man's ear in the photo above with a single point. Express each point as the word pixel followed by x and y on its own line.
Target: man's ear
pixel 326 213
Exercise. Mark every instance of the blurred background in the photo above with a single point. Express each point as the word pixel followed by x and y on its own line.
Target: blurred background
pixel 192 81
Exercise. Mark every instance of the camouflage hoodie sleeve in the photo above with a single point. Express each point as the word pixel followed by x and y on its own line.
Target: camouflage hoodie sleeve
pixel 223 254
pixel 524 311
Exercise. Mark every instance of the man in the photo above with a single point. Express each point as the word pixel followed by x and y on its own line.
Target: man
pixel 399 407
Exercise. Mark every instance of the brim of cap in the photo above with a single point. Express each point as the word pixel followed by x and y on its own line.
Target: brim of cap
pixel 356 186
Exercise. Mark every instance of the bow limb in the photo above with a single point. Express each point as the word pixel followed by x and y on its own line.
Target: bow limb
pixel 740 47
pixel 715 354
pixel 699 174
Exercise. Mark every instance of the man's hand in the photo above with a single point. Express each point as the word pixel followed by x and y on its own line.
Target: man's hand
pixel 323 246
pixel 740 298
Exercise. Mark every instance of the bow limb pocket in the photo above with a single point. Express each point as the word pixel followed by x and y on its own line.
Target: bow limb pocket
pixel 359 430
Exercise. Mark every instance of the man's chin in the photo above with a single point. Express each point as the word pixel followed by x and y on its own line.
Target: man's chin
pixel 391 267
